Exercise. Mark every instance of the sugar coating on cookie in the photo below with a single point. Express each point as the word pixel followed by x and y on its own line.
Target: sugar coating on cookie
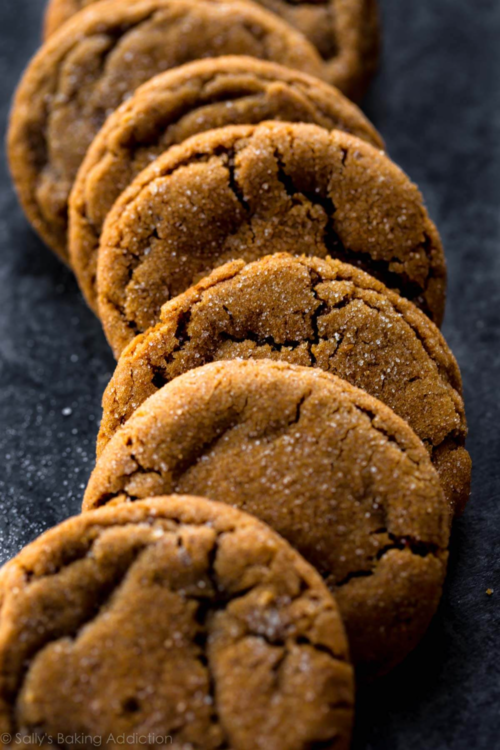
pixel 248 191
pixel 97 60
pixel 311 312
pixel 345 33
pixel 174 617
pixel 177 104
pixel 329 467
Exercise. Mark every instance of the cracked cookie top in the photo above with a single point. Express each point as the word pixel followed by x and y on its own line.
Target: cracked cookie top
pixel 171 107
pixel 306 311
pixel 247 191
pixel 329 467
pixel 174 617
pixel 345 33
pixel 100 57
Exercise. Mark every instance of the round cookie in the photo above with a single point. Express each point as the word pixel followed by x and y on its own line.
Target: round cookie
pixel 173 618
pixel 345 32
pixel 100 57
pixel 329 467
pixel 171 107
pixel 312 312
pixel 247 191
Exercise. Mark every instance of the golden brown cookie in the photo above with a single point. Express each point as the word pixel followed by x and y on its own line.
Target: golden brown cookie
pixel 317 313
pixel 174 617
pixel 247 191
pixel 176 105
pixel 345 32
pixel 93 64
pixel 329 467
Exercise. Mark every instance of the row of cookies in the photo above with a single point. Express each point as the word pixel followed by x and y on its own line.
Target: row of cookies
pixel 244 388
pixel 187 619
pixel 101 55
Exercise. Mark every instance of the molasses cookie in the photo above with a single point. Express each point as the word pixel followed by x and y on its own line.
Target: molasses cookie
pixel 318 313
pixel 345 33
pixel 330 468
pixel 173 618
pixel 176 105
pixel 247 191
pixel 100 57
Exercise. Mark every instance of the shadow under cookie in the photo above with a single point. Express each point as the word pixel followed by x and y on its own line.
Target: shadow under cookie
pixel 318 313
pixel 247 191
pixel 333 470
pixel 174 617
pixel 170 108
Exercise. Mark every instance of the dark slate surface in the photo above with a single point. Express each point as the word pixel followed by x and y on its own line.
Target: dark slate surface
pixel 437 103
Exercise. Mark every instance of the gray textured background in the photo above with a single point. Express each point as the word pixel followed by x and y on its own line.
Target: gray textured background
pixel 437 103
